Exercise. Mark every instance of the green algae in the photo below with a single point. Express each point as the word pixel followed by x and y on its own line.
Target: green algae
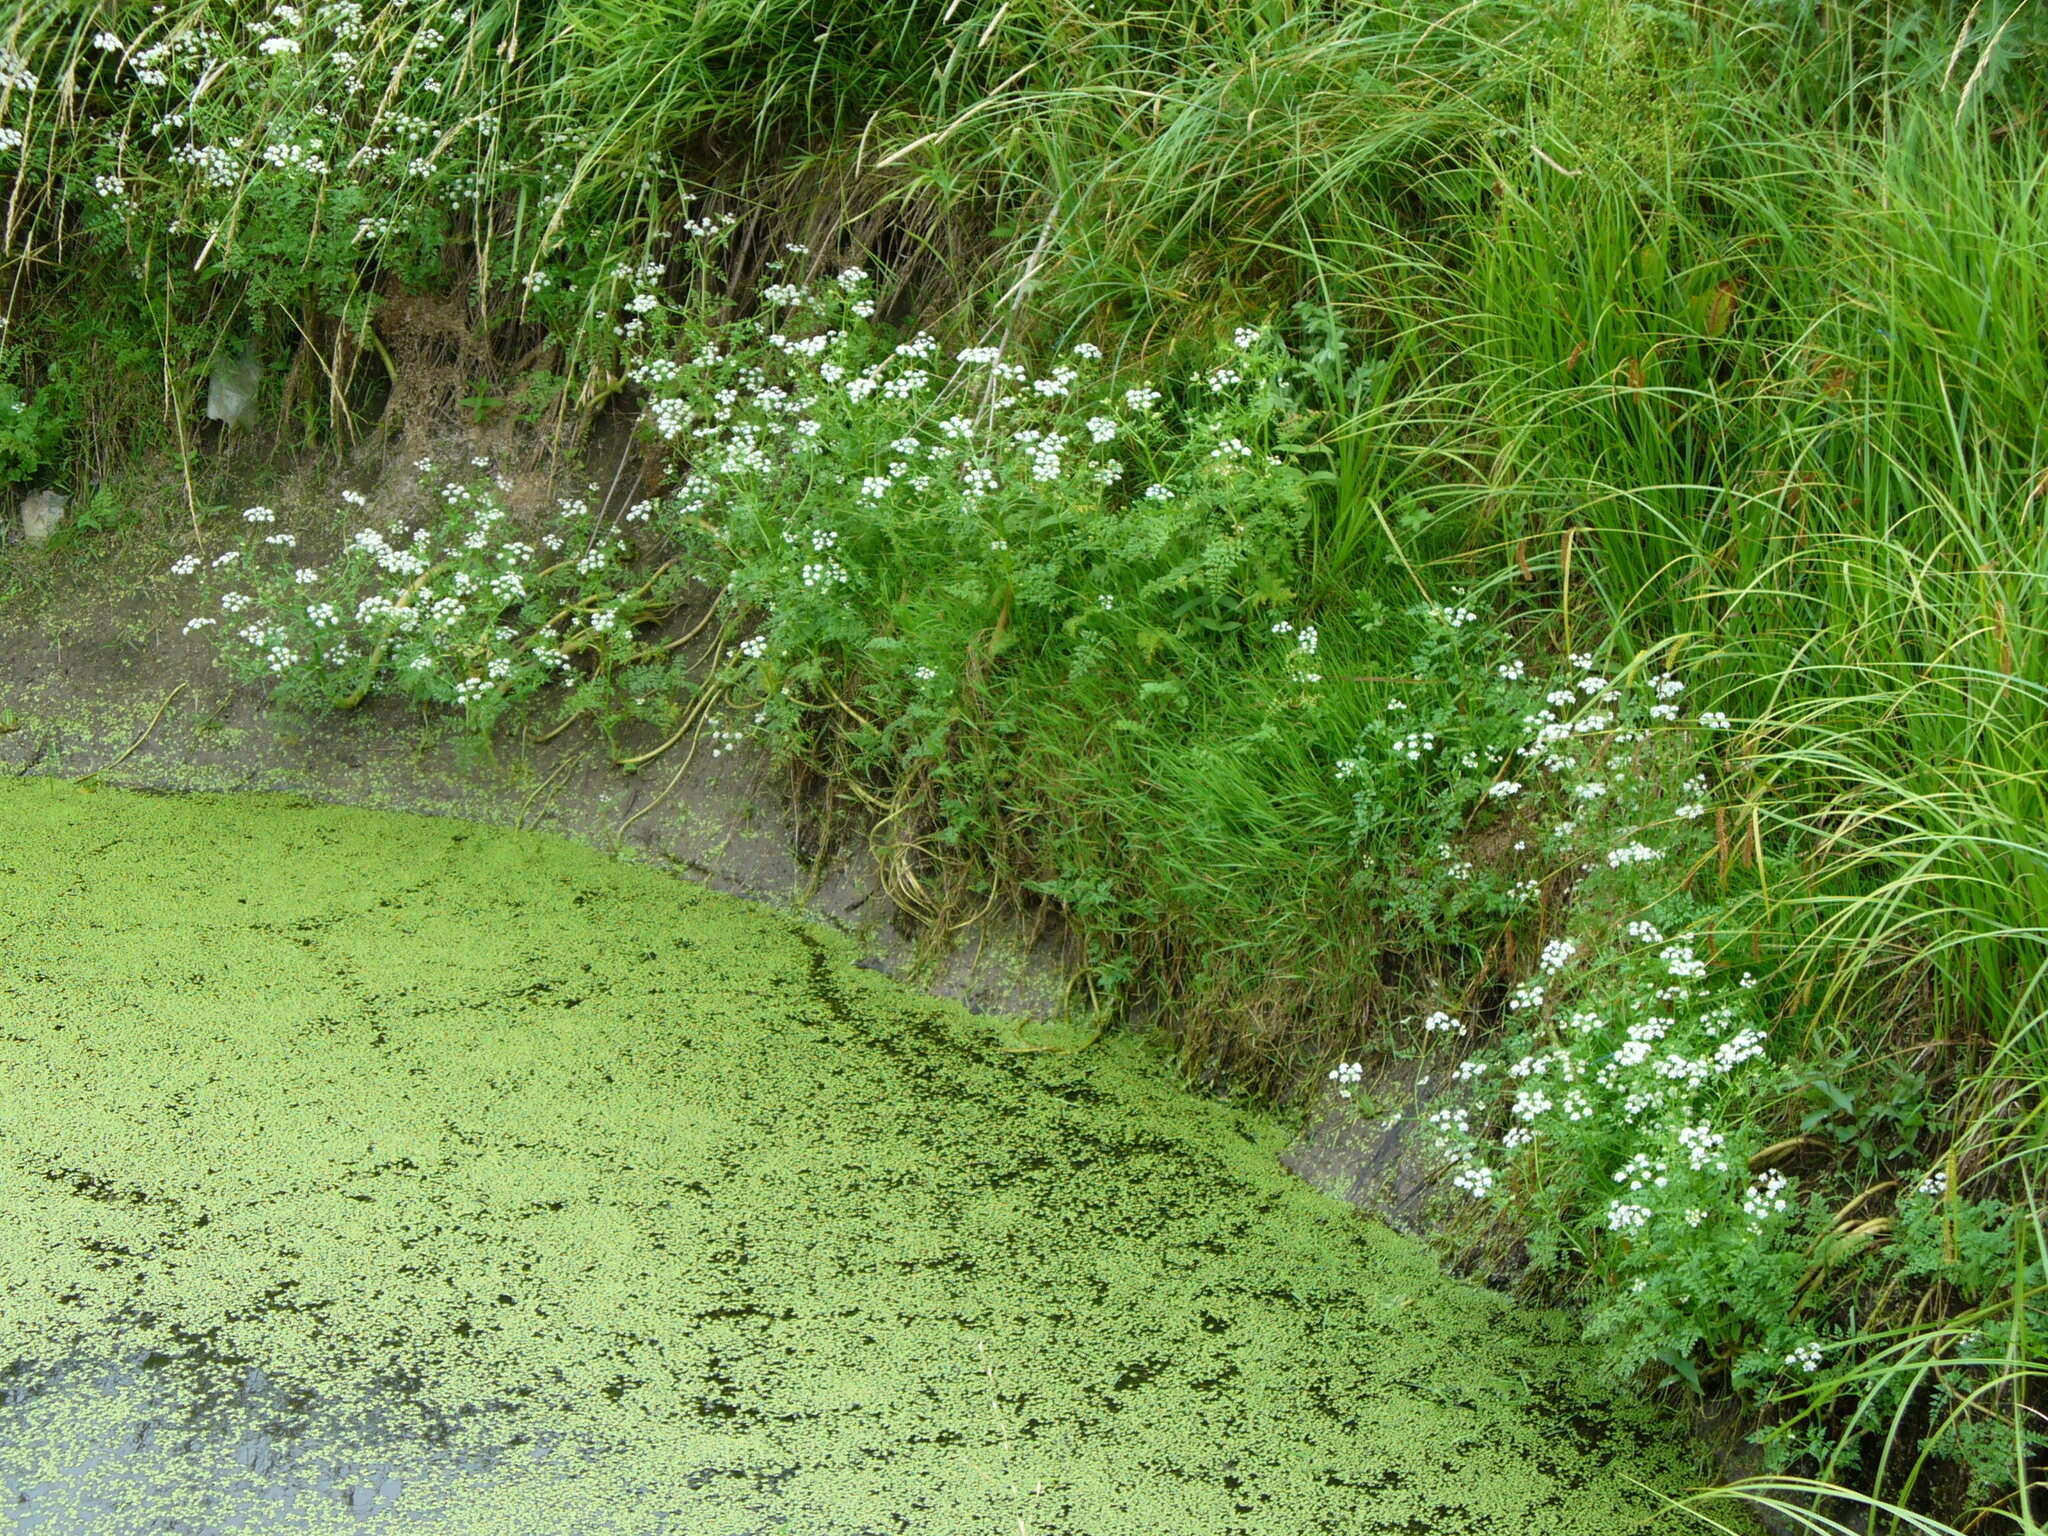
pixel 565 1196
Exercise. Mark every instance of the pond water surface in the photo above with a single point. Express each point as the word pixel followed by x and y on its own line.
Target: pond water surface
pixel 376 1173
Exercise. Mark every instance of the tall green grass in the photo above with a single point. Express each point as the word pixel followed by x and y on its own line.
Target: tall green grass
pixel 1780 401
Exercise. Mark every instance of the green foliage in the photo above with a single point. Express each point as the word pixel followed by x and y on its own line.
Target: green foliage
pixel 463 616
pixel 104 511
pixel 33 425
pixel 1617 1103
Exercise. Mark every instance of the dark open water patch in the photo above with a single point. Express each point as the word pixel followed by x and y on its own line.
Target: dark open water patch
pixel 374 1173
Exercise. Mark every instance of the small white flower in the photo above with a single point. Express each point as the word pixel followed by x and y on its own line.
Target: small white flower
pixel 1632 853
pixel 1476 1179
pixel 1414 745
pixel 1768 1196
pixel 1681 962
pixel 1702 1146
pixel 1624 1217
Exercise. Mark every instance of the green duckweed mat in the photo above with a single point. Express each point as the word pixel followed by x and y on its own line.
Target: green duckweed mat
pixel 366 1172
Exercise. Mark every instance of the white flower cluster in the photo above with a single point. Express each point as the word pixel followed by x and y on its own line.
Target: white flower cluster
pixel 1624 1218
pixel 1414 745
pixel 1770 1195
pixel 389 558
pixel 1702 1145
pixel 1633 853
pixel 825 573
pixel 15 75
pixel 1475 1179
pixel 1654 1055
pixel 1643 1171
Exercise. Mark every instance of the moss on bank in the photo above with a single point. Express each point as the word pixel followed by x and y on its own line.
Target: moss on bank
pixel 543 1192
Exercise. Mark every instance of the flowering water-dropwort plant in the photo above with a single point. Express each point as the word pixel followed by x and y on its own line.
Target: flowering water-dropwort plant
pixel 817 461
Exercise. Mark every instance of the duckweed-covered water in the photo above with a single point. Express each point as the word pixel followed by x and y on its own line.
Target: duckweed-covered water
pixel 370 1173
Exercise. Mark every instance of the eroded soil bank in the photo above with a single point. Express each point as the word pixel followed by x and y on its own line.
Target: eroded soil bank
pixel 375 1172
